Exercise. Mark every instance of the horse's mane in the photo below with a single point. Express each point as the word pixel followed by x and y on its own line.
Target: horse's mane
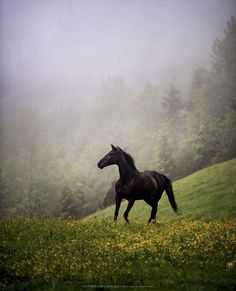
pixel 129 159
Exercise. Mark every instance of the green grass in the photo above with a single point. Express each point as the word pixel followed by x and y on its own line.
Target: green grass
pixel 207 194
pixel 194 250
pixel 53 254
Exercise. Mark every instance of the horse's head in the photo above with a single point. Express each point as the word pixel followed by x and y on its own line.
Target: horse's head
pixel 112 158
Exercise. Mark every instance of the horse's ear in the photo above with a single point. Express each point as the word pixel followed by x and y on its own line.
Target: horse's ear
pixel 119 148
pixel 113 147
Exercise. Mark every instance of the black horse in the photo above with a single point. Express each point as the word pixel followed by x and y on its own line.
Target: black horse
pixel 134 185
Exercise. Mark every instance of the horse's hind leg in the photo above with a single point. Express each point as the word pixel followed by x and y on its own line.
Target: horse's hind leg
pixel 154 205
pixel 153 213
pixel 130 205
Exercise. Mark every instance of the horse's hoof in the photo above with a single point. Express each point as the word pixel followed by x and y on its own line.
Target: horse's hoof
pixel 152 221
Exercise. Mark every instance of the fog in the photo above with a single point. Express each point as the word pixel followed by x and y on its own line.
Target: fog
pixel 60 49
pixel 76 76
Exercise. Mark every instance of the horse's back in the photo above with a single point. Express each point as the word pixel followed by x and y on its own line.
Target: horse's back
pixel 160 178
pixel 143 185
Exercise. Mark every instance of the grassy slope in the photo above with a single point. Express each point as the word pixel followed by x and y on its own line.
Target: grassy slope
pixel 176 254
pixel 207 194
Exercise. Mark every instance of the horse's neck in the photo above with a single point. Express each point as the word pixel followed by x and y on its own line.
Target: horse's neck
pixel 126 172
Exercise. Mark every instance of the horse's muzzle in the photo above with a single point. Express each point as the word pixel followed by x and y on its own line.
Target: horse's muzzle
pixel 100 166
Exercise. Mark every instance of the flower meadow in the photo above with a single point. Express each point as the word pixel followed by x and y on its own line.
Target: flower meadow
pixel 68 254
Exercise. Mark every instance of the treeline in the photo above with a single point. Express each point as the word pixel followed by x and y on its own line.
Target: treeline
pixel 49 153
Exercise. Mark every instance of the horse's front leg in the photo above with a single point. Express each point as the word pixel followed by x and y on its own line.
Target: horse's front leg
pixel 118 202
pixel 130 205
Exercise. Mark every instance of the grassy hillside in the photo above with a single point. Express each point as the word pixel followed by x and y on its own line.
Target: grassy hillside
pixel 207 194
pixel 98 254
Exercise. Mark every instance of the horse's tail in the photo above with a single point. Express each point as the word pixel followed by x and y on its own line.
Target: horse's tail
pixel 170 193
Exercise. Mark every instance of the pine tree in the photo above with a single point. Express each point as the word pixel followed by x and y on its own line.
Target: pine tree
pixel 224 70
pixel 171 131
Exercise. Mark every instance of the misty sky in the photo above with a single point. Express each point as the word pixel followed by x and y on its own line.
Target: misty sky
pixel 68 47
